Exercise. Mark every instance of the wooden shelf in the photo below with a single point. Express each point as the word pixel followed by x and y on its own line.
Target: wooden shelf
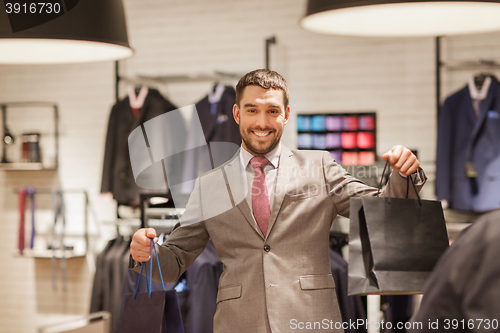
pixel 25 167
pixel 47 254
pixel 19 166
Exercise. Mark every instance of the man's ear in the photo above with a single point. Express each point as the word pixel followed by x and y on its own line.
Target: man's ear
pixel 236 113
pixel 287 114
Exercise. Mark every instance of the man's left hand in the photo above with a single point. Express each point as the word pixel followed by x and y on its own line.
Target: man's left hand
pixel 402 160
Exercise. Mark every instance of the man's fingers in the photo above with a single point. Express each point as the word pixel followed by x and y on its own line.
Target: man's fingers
pixel 396 154
pixel 407 165
pixel 140 247
pixel 141 258
pixel 404 156
pixel 151 233
pixel 413 168
pixel 144 236
pixel 402 160
pixel 138 253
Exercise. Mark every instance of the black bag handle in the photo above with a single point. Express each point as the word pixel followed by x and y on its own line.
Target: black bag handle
pixel 387 163
pixel 382 178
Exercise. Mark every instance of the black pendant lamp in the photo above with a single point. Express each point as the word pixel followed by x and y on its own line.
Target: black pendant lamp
pixel 401 18
pixel 62 31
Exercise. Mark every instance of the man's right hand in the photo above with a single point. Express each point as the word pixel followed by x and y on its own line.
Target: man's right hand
pixel 140 248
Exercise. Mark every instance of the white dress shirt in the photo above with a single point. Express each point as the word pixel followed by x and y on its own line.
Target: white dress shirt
pixel 478 96
pixel 270 170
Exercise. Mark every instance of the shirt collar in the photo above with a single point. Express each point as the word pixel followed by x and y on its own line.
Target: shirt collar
pixel 273 156
pixel 481 94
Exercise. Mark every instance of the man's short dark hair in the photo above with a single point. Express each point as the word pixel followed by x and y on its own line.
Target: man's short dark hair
pixel 264 78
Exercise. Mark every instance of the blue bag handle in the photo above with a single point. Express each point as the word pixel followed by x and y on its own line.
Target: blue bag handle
pixel 150 272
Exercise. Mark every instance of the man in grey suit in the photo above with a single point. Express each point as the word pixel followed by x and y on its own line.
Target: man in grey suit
pixel 268 211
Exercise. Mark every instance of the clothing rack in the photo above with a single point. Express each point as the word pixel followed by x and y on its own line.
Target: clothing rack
pixel 170 79
pixel 186 78
pixel 456 66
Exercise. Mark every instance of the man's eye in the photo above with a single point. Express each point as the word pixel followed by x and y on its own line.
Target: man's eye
pixel 273 111
pixel 251 110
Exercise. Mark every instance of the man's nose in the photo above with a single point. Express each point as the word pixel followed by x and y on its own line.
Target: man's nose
pixel 262 120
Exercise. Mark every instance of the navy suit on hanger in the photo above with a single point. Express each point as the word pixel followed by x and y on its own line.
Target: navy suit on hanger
pixel 218 126
pixel 464 137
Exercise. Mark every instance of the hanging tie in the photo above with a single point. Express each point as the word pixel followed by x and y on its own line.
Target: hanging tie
pixel 31 192
pixel 260 196
pixel 22 208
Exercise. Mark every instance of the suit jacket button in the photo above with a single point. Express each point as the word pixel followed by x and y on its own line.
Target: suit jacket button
pixel 267 248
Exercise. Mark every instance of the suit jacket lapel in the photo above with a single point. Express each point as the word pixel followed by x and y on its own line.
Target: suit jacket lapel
pixel 485 106
pixel 208 122
pixel 141 118
pixel 237 186
pixel 282 180
pixel 471 114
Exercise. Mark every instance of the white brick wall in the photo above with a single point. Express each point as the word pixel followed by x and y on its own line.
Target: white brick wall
pixel 394 77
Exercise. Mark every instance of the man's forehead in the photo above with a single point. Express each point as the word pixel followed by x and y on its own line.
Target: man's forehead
pixel 253 91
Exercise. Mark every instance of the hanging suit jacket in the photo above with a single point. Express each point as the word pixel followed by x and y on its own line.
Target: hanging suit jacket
pixel 463 137
pixel 351 307
pixel 99 289
pixel 202 280
pixel 218 127
pixel 269 281
pixel 111 268
pixel 464 285
pixel 117 176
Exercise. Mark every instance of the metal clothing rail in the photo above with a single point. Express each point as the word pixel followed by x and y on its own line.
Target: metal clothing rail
pixel 472 65
pixel 169 79
pixel 186 78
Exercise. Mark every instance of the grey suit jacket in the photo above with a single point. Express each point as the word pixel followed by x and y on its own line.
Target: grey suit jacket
pixel 272 282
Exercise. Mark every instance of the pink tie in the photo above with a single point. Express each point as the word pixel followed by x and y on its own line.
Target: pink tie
pixel 260 197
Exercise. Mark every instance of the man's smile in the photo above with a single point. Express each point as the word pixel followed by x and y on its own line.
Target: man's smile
pixel 261 134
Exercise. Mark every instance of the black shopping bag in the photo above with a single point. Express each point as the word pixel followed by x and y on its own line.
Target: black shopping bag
pixel 152 311
pixel 393 243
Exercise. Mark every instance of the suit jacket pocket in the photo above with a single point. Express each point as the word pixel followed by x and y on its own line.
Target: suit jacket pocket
pixel 314 282
pixel 229 292
pixel 304 195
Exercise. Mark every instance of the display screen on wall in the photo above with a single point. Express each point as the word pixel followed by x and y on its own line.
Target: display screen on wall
pixel 351 138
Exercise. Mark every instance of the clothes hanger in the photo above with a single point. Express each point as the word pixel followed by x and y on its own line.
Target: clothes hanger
pixel 137 97
pixel 480 78
pixel 137 89
pixel 216 93
pixel 479 84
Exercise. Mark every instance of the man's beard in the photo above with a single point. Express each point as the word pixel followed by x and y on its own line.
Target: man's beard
pixel 254 149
